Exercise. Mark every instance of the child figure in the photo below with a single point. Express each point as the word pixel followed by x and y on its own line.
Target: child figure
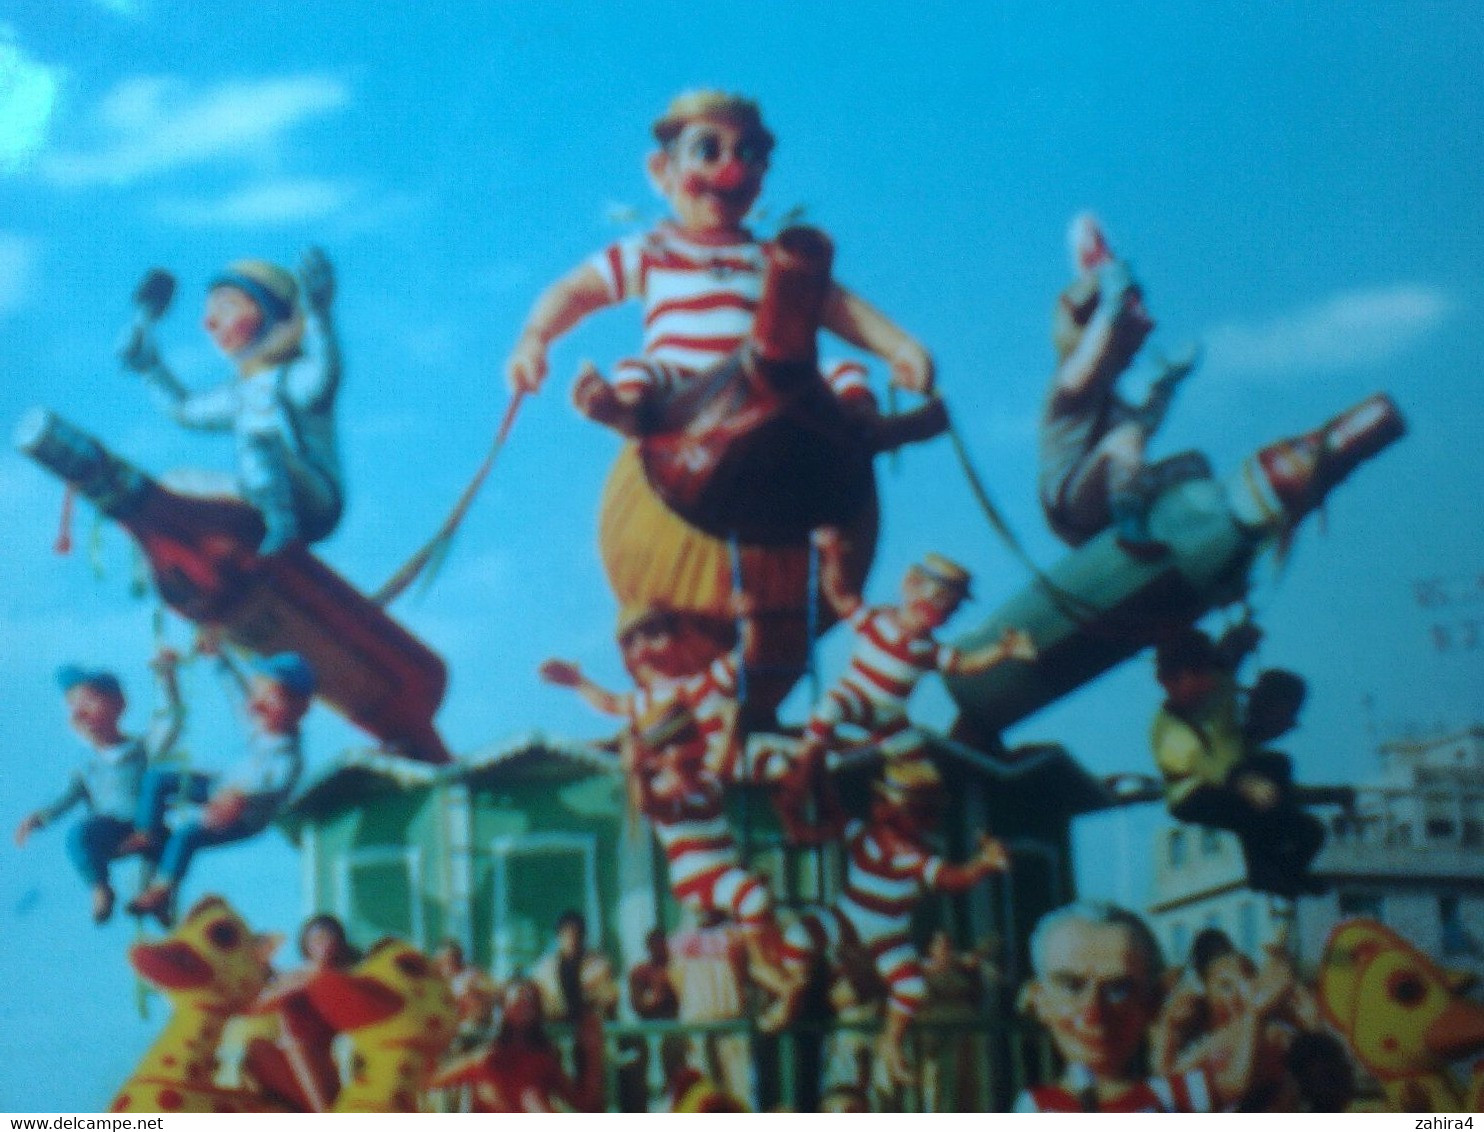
pixel 281 407
pixel 685 801
pixel 894 649
pixel 239 803
pixel 699 275
pixel 1093 472
pixel 666 671
pixel 889 868
pixel 108 783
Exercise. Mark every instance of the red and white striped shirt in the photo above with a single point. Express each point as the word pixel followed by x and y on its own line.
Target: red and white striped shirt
pixel 887 661
pixel 699 299
pixel 885 873
pixel 1188 1093
pixel 708 696
pixel 694 832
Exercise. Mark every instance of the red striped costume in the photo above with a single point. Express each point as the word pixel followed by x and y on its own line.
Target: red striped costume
pixel 699 301
pixel 1188 1093
pixel 708 696
pixel 886 875
pixel 690 821
pixel 872 694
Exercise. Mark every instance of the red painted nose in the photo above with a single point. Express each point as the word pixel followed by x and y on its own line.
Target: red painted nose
pixel 730 176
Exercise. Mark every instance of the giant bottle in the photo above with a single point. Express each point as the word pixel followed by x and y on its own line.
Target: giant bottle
pixel 202 553
pixel 1099 606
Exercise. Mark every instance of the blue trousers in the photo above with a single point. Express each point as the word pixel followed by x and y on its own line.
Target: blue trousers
pixel 158 790
pixel 93 842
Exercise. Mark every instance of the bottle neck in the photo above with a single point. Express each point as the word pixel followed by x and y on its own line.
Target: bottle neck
pixel 117 487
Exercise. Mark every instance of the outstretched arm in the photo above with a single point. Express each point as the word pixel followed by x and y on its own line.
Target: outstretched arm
pixel 314 383
pixel 561 307
pixel 1014 644
pixel 170 714
pixel 1232 1057
pixel 991 858
pixel 862 325
pixel 565 674
pixel 843 598
pixel 213 411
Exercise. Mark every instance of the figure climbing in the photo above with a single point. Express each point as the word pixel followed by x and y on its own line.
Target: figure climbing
pixel 685 802
pixel 894 648
pixel 889 868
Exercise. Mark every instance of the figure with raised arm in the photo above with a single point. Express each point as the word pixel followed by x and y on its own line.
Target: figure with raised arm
pixel 280 334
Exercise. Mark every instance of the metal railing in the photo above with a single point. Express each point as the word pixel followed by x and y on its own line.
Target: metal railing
pixel 1401 817
pixel 978 1065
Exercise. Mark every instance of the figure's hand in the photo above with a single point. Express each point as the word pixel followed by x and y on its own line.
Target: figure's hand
pixel 209 640
pixel 139 352
pixel 743 605
pixel 525 369
pixel 1016 644
pixel 27 828
pixel 1271 988
pixel 992 855
pixel 912 367
pixel 165 661
pixel 829 540
pixel 318 278
pixel 1240 639
pixel 1261 792
pixel 562 673
pixel 1183 1005
pixel 224 808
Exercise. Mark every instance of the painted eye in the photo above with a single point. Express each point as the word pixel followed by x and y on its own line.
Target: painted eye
pixel 224 934
pixel 1406 989
pixel 707 148
pixel 749 153
pixel 413 966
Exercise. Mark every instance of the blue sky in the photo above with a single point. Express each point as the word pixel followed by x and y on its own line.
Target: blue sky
pixel 1297 187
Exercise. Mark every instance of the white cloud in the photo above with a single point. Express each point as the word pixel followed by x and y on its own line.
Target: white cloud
pixel 154 125
pixel 28 95
pixel 1353 328
pixel 17 257
pixel 284 201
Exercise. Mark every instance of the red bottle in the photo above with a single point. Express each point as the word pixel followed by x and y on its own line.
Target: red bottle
pixel 203 555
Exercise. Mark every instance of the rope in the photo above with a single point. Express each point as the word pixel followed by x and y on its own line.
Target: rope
pixel 734 554
pixel 1077 609
pixel 63 545
pixel 430 556
pixel 811 622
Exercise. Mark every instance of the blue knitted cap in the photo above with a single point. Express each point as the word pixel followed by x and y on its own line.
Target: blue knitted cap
pixel 71 676
pixel 289 669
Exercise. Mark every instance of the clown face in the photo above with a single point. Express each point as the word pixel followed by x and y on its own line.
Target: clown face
pixel 232 319
pixel 648 649
pixel 711 175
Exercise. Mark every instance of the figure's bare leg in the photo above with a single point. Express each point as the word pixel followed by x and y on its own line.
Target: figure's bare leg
pixel 598 400
pixel 778 975
pixel 893 1048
